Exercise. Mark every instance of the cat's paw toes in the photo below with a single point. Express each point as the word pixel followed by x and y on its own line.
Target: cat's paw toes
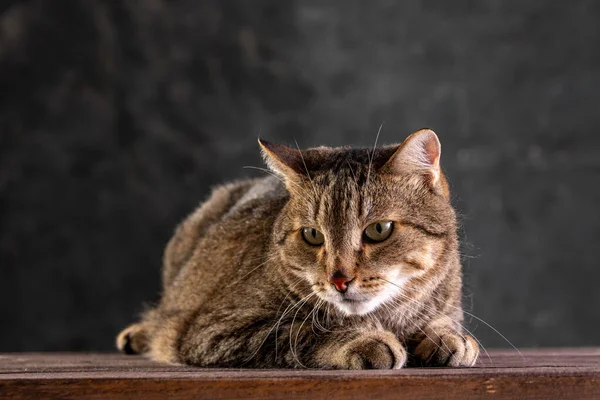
pixel 447 348
pixel 133 340
pixel 375 350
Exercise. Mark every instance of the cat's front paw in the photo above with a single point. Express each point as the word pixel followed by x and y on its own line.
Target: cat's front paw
pixel 374 350
pixel 446 348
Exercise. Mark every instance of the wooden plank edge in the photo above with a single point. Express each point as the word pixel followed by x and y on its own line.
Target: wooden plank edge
pixel 503 386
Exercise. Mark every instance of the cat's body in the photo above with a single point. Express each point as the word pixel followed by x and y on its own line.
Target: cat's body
pixel 244 286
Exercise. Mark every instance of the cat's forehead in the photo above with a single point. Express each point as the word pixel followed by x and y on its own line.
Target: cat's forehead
pixel 344 194
pixel 339 159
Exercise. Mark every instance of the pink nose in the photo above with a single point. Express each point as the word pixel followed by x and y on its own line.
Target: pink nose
pixel 340 281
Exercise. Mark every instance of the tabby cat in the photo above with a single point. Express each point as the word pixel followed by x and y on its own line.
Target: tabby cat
pixel 342 259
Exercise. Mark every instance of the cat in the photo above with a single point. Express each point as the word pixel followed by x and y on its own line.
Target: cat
pixel 342 258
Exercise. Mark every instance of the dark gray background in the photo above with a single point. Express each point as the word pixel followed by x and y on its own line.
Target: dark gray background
pixel 117 117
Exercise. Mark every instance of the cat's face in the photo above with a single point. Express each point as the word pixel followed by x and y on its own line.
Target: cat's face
pixel 363 225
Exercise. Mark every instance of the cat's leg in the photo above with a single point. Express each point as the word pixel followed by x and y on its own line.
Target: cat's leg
pixel 134 339
pixel 441 343
pixel 364 350
pixel 259 343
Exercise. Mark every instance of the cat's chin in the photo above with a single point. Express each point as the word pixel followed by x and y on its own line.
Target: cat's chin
pixel 351 305
pixel 357 307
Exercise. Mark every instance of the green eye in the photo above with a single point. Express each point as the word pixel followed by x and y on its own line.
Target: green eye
pixel 379 231
pixel 313 236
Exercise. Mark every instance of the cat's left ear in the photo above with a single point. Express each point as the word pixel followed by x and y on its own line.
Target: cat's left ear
pixel 285 161
pixel 419 153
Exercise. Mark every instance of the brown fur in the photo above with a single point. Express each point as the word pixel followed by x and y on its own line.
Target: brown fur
pixel 242 288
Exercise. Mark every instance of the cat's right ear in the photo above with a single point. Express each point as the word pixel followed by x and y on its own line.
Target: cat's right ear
pixel 284 161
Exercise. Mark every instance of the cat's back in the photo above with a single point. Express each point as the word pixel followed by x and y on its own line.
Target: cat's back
pixel 256 194
pixel 225 237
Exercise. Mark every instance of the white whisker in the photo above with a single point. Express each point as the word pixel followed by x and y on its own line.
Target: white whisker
pixel 373 153
pixel 306 168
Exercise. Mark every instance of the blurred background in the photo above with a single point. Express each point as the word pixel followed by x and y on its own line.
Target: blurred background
pixel 116 118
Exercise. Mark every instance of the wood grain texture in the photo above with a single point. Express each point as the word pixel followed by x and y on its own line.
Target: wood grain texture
pixel 542 374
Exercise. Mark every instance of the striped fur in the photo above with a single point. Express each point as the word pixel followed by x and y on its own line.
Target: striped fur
pixel 241 288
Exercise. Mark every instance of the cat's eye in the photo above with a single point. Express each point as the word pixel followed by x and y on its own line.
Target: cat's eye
pixel 313 236
pixel 379 231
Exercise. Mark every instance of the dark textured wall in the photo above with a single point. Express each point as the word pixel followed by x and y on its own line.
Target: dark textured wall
pixel 117 117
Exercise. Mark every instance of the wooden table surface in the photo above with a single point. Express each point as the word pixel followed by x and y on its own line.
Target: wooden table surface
pixel 542 374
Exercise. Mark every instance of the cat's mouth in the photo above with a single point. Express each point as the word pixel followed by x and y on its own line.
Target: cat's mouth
pixel 354 296
pixel 351 301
